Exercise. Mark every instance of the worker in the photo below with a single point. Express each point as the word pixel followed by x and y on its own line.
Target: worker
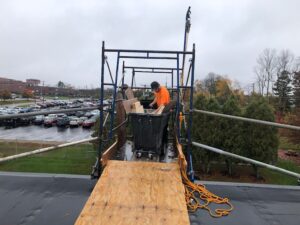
pixel 162 96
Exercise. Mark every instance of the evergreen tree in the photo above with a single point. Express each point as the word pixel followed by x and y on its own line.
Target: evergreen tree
pixel 231 131
pixel 206 130
pixel 61 84
pixel 296 89
pixel 260 141
pixel 282 89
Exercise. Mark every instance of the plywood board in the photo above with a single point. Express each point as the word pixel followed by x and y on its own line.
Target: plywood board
pixel 137 107
pixel 159 110
pixel 128 104
pixel 109 153
pixel 137 193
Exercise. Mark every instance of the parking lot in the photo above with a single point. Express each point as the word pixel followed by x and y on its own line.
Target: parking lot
pixel 52 127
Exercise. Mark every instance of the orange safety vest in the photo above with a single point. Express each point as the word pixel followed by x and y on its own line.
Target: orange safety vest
pixel 162 96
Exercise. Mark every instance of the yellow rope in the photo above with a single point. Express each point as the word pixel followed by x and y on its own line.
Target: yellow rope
pixel 194 192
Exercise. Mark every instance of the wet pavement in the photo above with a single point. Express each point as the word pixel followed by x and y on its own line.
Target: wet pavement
pixel 40 133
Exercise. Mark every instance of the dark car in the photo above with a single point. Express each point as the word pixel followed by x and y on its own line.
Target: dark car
pixel 26 110
pixel 25 121
pixel 11 123
pixel 39 120
pixel 79 114
pixel 63 121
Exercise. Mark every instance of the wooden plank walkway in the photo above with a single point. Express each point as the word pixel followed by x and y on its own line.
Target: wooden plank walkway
pixel 137 193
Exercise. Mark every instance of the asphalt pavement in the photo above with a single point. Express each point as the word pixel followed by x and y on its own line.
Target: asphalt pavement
pixel 40 133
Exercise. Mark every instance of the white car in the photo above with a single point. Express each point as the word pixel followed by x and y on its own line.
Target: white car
pixel 96 112
pixel 74 122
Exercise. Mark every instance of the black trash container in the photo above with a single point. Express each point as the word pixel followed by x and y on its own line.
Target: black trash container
pixel 149 132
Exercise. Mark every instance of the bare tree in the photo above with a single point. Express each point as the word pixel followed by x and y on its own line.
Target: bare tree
pixel 265 69
pixel 285 62
pixel 296 66
pixel 260 79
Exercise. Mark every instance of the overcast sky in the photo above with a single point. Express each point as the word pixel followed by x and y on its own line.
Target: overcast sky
pixel 54 40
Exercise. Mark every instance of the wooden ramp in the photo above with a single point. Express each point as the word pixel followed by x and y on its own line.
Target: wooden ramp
pixel 137 193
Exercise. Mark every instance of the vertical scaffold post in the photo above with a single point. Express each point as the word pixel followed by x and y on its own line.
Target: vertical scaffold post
pixel 101 108
pixel 189 146
pixel 178 100
pixel 132 77
pixel 172 84
pixel 123 73
pixel 115 86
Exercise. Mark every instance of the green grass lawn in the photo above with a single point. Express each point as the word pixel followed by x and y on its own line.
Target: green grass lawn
pixel 8 148
pixel 245 174
pixel 8 102
pixel 285 144
pixel 274 177
pixel 77 159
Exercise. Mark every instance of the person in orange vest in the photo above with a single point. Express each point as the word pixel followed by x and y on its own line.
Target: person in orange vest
pixel 162 95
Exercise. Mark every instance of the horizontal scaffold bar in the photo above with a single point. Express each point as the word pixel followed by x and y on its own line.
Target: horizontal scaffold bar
pixel 151 68
pixel 149 51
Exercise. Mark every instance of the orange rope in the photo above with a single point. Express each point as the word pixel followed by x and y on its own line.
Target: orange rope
pixel 194 192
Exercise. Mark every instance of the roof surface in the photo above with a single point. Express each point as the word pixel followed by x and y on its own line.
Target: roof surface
pixel 58 199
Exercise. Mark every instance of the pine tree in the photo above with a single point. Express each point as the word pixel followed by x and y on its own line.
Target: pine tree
pixel 296 89
pixel 231 131
pixel 206 130
pixel 282 89
pixel 260 141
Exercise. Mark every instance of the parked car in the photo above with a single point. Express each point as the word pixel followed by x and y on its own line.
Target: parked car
pixel 89 123
pixel 88 114
pixel 49 121
pixel 25 110
pixel 74 122
pixel 42 105
pixel 79 114
pixel 82 119
pixel 39 120
pixel 11 123
pixel 25 121
pixel 63 121
pixel 95 112
pixel 54 117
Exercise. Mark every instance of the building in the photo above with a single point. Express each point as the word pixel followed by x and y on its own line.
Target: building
pixel 33 85
pixel 32 82
pixel 14 86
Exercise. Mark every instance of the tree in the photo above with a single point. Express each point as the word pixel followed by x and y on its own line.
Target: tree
pixel 209 83
pixel 61 84
pixel 284 62
pixel 206 130
pixel 231 131
pixel 5 95
pixel 265 69
pixel 260 141
pixel 27 94
pixel 296 89
pixel 282 89
pixel 223 89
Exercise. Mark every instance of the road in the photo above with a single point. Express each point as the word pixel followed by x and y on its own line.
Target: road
pixel 39 133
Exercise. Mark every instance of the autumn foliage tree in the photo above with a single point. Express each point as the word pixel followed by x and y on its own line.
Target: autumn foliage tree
pixel 5 95
pixel 27 94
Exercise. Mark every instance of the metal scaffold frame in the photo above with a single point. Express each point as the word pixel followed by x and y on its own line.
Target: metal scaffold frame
pixel 177 86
